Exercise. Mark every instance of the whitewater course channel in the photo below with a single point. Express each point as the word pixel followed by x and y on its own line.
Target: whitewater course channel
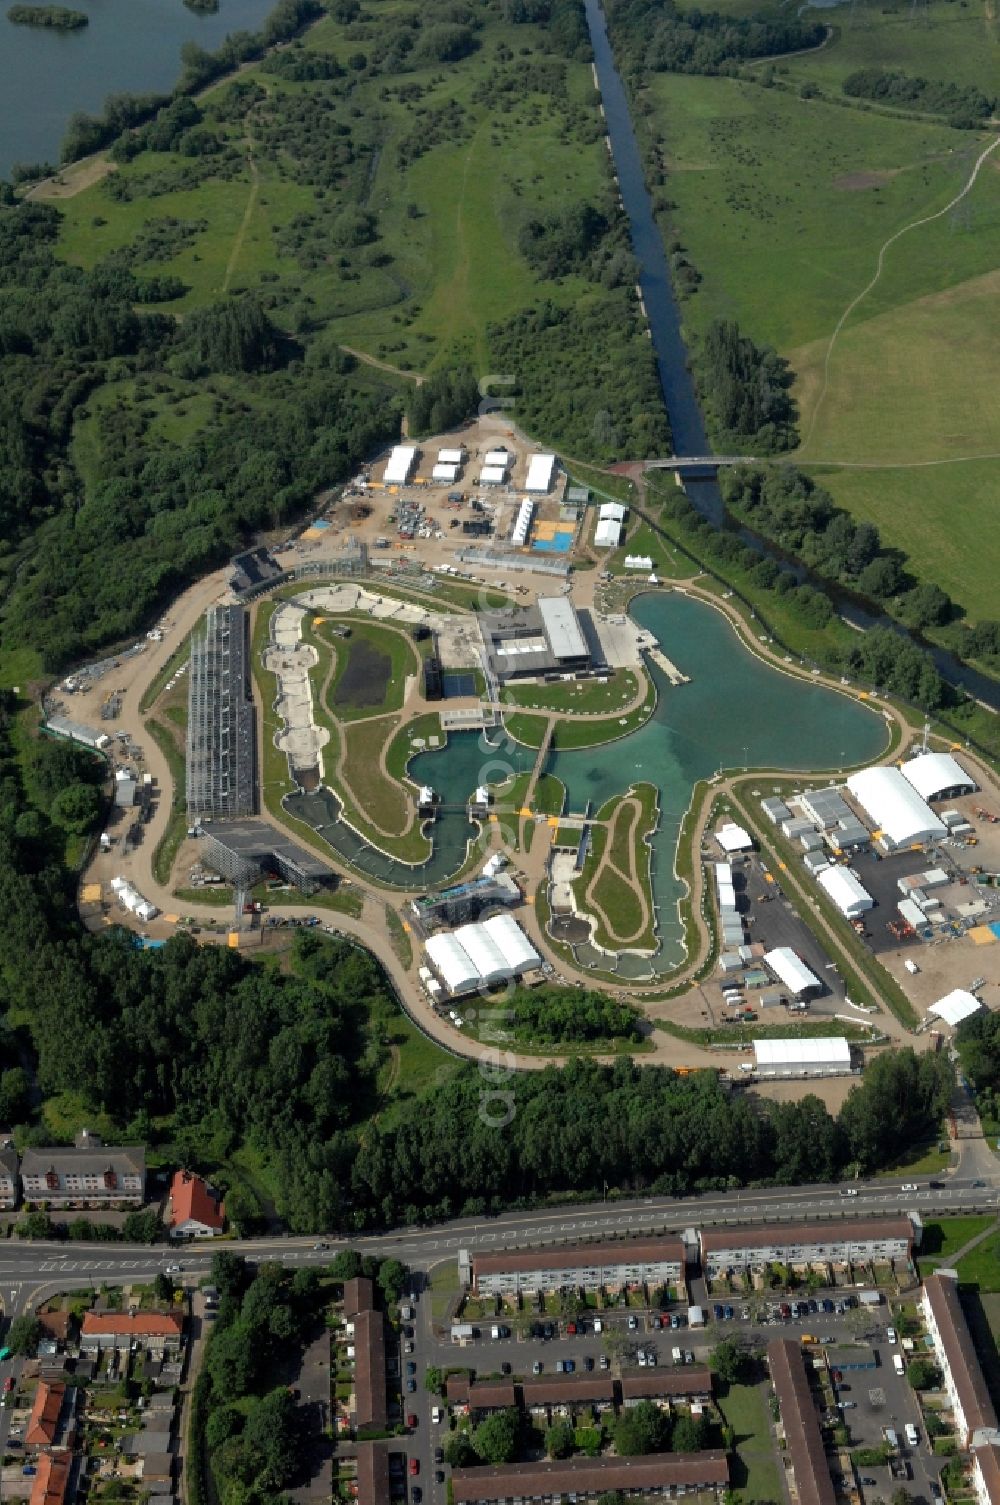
pixel 737 711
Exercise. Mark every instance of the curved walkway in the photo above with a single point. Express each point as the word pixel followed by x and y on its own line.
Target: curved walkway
pixel 927 219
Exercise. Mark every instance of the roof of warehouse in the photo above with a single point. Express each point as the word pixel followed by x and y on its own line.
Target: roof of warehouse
pixel 607 534
pixel 956 1006
pixel 825 1052
pixel 567 1257
pixel 779 1235
pixel 612 512
pixel 894 805
pixel 554 1478
pixel 841 884
pixel 511 941
pixel 813 1484
pixel 561 627
pixel 452 960
pixel 790 969
pixel 941 1291
pixel 540 468
pixel 931 774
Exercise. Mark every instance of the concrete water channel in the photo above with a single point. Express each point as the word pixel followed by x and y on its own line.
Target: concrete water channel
pixel 737 711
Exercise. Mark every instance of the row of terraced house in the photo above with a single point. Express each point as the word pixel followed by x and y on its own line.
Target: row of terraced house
pixel 662 1261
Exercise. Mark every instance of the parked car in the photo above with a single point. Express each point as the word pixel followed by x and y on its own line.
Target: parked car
pixel 414 1465
pixel 588 1362
pixel 439 1455
pixel 728 1313
pixel 570 1365
pixel 411 1368
pixel 848 1191
pixel 633 1322
pixel 604 1361
pixel 411 1386
pixel 536 1367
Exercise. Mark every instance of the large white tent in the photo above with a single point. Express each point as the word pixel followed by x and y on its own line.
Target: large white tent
pixel 847 892
pixel 791 970
pixel 540 471
pixel 399 466
pixel 895 808
pixel 955 1006
pixel 480 955
pixel 937 776
pixel 798 1057
pixel 607 534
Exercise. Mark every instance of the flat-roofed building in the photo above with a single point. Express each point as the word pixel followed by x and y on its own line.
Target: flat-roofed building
pixel 655 1476
pixel 964 1381
pixel 681 1382
pixel 900 817
pixel 800 1423
pixel 541 469
pixel 221 757
pixel 801 1057
pixel 400 465
pixel 543 639
pixel 790 969
pixel 835 1243
pixel 611 1266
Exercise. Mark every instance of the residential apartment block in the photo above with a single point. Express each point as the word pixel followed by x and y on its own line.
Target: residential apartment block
pixel 656 1476
pixel 88 1173
pixel 9 1181
pixel 157 1331
pixel 964 1381
pixel 854 1242
pixel 800 1423
pixel 986 1470
pixel 682 1382
pixel 611 1266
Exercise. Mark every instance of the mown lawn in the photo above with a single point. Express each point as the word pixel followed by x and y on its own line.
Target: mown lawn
pixel 755 1474
pixel 584 698
pixel 942 1237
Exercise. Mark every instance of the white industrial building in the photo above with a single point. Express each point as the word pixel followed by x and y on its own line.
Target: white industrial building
pixel 846 890
pixel 400 465
pixel 451 457
pixel 955 1006
pixel 493 475
pixel 792 971
pixel 900 816
pixel 541 469
pixel 798 1058
pixel 937 776
pixel 734 838
pixel 446 472
pixel 608 533
pixel 481 955
pixel 912 913
pixel 75 731
pixel 502 458
pixel 562 628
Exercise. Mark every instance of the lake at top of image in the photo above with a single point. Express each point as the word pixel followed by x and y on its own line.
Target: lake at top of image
pixel 130 46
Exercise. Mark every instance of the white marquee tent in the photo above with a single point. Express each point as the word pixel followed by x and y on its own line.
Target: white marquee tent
pixel 937 776
pixel 894 807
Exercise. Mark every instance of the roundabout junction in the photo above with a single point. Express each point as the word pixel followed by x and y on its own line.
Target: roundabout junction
pixel 506 697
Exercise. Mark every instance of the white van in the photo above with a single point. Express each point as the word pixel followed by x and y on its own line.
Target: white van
pixel 912 1435
pixel 897 1363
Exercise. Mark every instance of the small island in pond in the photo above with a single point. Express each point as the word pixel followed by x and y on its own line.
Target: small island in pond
pixel 58 17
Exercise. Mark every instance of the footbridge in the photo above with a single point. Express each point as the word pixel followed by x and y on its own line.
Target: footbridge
pixel 697 462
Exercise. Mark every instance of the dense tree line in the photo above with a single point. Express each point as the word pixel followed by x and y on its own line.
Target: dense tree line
pixel 554 1015
pixel 745 388
pixel 159 514
pixel 879 656
pixel 961 104
pixel 787 507
pixel 584 377
pixel 444 401
pixel 656 35
pixel 207 1052
pixel 57 17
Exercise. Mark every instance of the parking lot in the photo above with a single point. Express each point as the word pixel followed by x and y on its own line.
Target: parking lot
pixel 867 1400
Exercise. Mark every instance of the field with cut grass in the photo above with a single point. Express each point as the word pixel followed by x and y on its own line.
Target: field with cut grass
pixel 783 197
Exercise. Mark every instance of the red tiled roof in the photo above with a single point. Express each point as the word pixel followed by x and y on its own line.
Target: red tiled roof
pixel 941 1291
pixel 813 1482
pixel 190 1197
pixel 567 1257
pixel 684 1379
pixel 554 1478
pixel 373 1473
pixel 142 1325
pixel 987 1457
pixel 52 1480
pixel 359 1295
pixel 787 1234
pixel 43 1422
pixel 55 1325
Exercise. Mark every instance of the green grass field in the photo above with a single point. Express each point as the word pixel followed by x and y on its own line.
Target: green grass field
pixel 783 202
pixel 586 698
pixel 938 516
pixel 981 1266
pixel 755 1475
pixel 943 1237
pixel 448 216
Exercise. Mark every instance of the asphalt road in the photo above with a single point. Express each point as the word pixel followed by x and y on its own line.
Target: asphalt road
pixel 29 1270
